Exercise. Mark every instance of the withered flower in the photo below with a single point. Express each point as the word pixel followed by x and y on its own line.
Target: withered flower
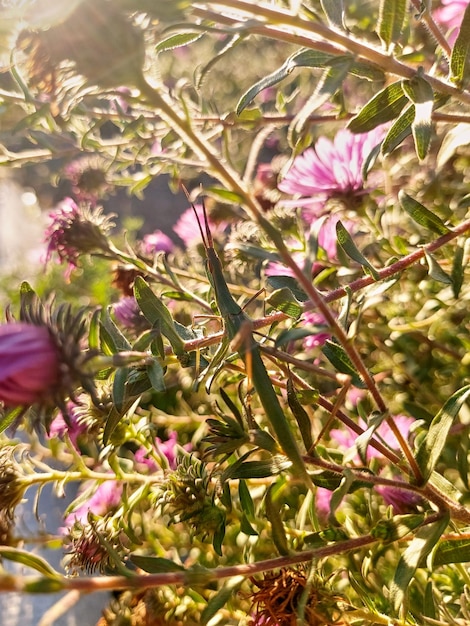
pixel 11 491
pixel 76 230
pixel 281 594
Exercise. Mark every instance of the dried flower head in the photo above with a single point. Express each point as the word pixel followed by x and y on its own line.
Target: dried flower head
pixel 11 491
pixel 88 178
pixel 76 230
pixel 280 596
pixel 124 277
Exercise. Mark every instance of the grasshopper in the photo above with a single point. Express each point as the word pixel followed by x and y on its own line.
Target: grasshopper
pixel 238 327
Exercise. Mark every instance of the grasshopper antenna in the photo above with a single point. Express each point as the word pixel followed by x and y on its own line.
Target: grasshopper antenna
pixel 207 235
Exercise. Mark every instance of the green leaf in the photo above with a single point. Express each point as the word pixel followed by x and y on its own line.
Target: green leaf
pixel 219 600
pixel 155 564
pixel 334 11
pixel 433 443
pixel 156 375
pixel 420 93
pixel 283 300
pixel 391 20
pixel 30 560
pixel 399 526
pixel 111 335
pixel 421 215
pixel 278 532
pixel 460 57
pixel 422 544
pixel 279 282
pixel 399 130
pixel 177 41
pixel 256 469
pixel 304 58
pixel 435 270
pixel 301 416
pixel 383 107
pixel 452 551
pixel 119 387
pixel 246 500
pixel 331 80
pixel 157 313
pixel 429 607
pixel 457 271
pixel 347 244
pixel 9 417
pixel 340 360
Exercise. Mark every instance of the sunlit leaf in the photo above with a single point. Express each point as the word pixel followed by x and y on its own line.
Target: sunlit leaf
pixel 392 15
pixel 334 11
pixel 435 270
pixel 278 532
pixel 420 93
pixel 460 57
pixel 337 356
pixel 177 41
pixel 431 446
pixel 419 548
pixel 347 244
pixel 383 107
pixel 421 215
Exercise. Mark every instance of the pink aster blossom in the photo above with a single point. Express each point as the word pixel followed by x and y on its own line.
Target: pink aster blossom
pixel 187 229
pixel 106 497
pixel 166 449
pixel 74 428
pixel 129 315
pixel 316 339
pixel 449 15
pixel 156 242
pixel 29 364
pixel 330 168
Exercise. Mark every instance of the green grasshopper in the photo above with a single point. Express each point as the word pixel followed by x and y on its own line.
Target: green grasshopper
pixel 238 326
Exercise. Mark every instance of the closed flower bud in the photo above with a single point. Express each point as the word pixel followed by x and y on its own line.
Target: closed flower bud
pixel 29 364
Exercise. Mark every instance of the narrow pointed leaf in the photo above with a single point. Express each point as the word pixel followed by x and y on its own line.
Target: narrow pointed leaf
pixel 334 11
pixel 347 244
pixel 304 58
pixel 331 80
pixel 283 300
pixel 340 360
pixel 29 560
pixel 421 215
pixel 435 270
pixel 432 445
pixel 460 57
pixel 300 414
pixel 219 600
pixel 177 41
pixel 399 130
pixel 457 271
pixel 155 564
pixel 383 107
pixel 391 21
pixel 452 551
pixel 420 93
pixel 277 527
pixel 422 544
pixel 157 313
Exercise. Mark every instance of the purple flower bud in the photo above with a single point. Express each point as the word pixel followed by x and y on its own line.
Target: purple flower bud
pixel 29 364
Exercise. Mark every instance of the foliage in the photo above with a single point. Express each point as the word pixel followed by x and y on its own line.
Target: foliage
pixel 267 415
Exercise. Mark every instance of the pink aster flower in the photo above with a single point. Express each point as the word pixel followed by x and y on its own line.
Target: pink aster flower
pixel 449 16
pixel 106 497
pixel 187 229
pixel 346 438
pixel 316 339
pixel 156 242
pixel 166 449
pixel 129 315
pixel 330 168
pixel 74 427
pixel 75 230
pixel 29 364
